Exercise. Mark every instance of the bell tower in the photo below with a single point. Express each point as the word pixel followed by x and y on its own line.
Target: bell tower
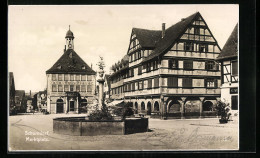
pixel 69 39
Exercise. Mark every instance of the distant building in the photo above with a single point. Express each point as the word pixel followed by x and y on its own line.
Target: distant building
pixel 70 81
pixel 171 72
pixel 11 91
pixel 228 59
pixel 20 100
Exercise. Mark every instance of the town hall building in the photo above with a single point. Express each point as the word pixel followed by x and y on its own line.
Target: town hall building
pixel 70 82
pixel 171 72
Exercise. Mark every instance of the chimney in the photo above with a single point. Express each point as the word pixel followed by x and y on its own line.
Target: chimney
pixel 163 30
pixel 65 49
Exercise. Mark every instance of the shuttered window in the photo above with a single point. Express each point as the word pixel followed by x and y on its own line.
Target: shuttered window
pixel 156 82
pixel 234 68
pixel 187 82
pixel 150 81
pixel 140 70
pixel 172 82
pixel 188 64
pixel 133 86
pixel 141 85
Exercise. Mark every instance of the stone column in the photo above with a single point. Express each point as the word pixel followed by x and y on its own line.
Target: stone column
pixel 164 107
pixel 100 93
pixel 182 101
pixel 201 103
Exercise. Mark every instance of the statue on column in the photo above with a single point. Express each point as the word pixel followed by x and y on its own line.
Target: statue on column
pixel 100 80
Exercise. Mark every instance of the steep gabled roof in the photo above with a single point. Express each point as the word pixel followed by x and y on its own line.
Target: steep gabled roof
pixel 147 38
pixel 230 48
pixel 171 35
pixel 70 62
pixel 20 93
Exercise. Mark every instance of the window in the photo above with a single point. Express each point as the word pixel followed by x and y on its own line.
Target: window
pixel 155 65
pixel 234 68
pixel 83 77
pixel 211 83
pixel 54 88
pixel 148 67
pixel 188 46
pixel 78 88
pixel 77 77
pixel 66 88
pixel 150 81
pixel 60 77
pixel 140 70
pixel 129 87
pixel 141 84
pixel 83 88
pixel 89 88
pixel 172 82
pixel 211 65
pixel 133 86
pixel 71 88
pixel 156 82
pixel 66 77
pixel 72 77
pixel 187 82
pixel 188 64
pixel 53 77
pixel 203 48
pixel 172 63
pixel 60 88
pixel 89 77
pixel 234 102
pixel 196 31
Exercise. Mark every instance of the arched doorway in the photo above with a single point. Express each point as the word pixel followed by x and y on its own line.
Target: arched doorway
pixel 174 107
pixel 149 108
pixel 136 107
pixel 142 107
pixel 59 105
pixel 83 106
pixel 156 106
pixel 207 106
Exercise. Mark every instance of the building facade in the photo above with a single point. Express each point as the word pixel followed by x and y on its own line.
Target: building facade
pixel 20 100
pixel 228 59
pixel 171 72
pixel 70 82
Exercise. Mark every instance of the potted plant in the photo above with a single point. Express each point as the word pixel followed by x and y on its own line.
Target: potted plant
pixel 223 111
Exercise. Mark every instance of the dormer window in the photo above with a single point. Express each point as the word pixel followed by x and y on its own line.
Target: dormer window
pixel 59 67
pixel 83 67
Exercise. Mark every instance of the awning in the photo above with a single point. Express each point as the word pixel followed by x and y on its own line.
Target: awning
pixel 115 102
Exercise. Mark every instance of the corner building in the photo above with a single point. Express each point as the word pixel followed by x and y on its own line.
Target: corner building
pixel 172 72
pixel 70 82
pixel 228 58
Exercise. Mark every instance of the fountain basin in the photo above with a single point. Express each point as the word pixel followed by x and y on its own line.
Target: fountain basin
pixel 79 126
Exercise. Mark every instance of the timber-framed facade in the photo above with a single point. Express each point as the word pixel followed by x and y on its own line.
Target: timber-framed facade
pixel 171 72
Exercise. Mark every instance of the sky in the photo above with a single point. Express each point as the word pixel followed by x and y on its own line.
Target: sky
pixel 36 34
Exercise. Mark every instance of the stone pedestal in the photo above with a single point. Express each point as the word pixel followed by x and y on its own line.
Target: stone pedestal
pixel 101 92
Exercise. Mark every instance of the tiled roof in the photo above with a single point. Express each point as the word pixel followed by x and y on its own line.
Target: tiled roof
pixel 20 93
pixel 70 62
pixel 171 35
pixel 147 38
pixel 230 48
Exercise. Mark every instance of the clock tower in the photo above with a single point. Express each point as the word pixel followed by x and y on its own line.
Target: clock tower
pixel 69 39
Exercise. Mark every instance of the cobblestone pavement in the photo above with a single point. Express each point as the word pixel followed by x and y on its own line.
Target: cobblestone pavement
pixel 187 134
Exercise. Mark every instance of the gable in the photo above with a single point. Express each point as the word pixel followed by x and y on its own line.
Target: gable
pixel 70 62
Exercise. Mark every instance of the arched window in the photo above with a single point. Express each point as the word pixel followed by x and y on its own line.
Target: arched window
pixel 142 106
pixel 156 106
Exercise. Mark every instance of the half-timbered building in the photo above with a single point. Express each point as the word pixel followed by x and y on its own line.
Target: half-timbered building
pixel 70 81
pixel 228 58
pixel 172 72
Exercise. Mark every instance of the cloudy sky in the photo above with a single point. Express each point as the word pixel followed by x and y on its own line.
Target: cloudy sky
pixel 36 34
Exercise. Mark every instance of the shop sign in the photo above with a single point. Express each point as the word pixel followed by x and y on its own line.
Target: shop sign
pixel 233 90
